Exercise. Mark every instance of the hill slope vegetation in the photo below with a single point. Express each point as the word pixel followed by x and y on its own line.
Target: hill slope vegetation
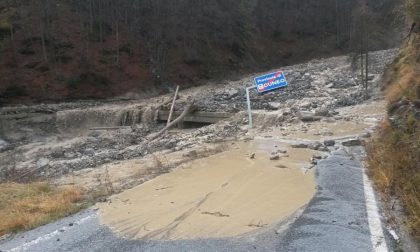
pixel 74 49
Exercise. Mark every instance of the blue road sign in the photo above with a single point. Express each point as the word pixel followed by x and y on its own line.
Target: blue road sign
pixel 270 82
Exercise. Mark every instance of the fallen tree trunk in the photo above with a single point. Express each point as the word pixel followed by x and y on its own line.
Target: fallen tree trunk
pixel 173 106
pixel 188 109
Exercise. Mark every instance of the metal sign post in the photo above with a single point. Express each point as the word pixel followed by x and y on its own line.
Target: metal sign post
pixel 248 100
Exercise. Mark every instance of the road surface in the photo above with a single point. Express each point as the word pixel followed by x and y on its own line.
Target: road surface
pixel 343 216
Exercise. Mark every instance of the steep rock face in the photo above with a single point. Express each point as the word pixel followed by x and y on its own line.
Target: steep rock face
pixel 71 49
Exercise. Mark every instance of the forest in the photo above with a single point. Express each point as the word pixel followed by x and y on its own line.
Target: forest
pixel 59 50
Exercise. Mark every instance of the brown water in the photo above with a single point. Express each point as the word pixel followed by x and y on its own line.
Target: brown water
pixel 322 130
pixel 221 196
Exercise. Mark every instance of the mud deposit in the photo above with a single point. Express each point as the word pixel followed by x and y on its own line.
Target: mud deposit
pixel 224 195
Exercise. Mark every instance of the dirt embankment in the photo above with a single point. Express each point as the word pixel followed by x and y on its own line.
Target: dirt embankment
pixel 394 156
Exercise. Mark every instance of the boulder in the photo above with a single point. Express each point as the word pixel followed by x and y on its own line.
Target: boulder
pixel 306 116
pixel 57 153
pixel 171 144
pixel 70 155
pixel 282 151
pixel 300 146
pixel 323 112
pixel 366 135
pixel 274 157
pixel 352 142
pixel 42 162
pixel 331 85
pixel 305 105
pixel 327 133
pixel 323 148
pixel 274 105
pixel 191 154
pixel 231 93
pixel 319 156
pixel 89 152
pixel 3 145
pixel 329 142
pixel 315 146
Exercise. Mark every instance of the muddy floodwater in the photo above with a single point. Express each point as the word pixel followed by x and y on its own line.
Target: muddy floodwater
pixel 224 195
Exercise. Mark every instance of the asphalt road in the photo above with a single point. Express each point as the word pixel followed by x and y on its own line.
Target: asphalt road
pixel 342 216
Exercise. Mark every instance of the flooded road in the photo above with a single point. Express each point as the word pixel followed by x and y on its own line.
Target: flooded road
pixel 224 195
pixel 321 130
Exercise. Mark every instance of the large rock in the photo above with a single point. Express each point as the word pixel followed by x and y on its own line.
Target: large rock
pixel 306 116
pixel 3 145
pixel 323 148
pixel 371 77
pixel 57 153
pixel 331 85
pixel 352 142
pixel 70 155
pixel 319 156
pixel 274 105
pixel 42 162
pixel 329 142
pixel 300 145
pixel 274 157
pixel 315 146
pixel 282 151
pixel 366 135
pixel 231 93
pixel 325 112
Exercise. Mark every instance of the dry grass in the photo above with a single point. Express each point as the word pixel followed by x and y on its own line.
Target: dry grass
pixel 404 77
pixel 394 157
pixel 394 160
pixel 25 206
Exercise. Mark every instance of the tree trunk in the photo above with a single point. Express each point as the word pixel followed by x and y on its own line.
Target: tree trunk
pixel 44 49
pixel 172 106
pixel 362 68
pixel 367 69
pixel 118 42
pixel 188 109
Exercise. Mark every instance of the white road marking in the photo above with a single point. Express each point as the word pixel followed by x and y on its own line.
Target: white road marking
pixel 376 232
pixel 27 245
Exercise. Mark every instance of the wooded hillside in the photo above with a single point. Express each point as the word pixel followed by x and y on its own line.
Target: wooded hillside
pixel 74 49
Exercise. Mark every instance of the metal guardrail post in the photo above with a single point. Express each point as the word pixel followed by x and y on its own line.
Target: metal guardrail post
pixel 248 100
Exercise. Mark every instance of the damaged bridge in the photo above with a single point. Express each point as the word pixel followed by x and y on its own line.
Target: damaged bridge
pixel 196 117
